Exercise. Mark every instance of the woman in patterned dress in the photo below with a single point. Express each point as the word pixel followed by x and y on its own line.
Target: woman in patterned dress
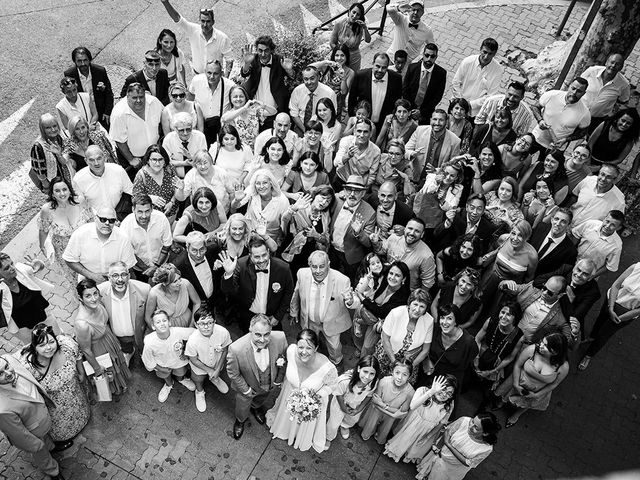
pixel 337 75
pixel 80 137
pixel 246 115
pixel 55 362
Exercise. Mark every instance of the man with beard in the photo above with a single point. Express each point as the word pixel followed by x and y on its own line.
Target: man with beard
pixel 410 32
pixel 258 283
pixel 424 83
pixel 281 129
pixel 154 79
pixel 596 195
pixel 562 116
pixel 125 300
pixel 357 155
pixel 410 249
pixel 513 99
pixel 430 146
pixel 553 245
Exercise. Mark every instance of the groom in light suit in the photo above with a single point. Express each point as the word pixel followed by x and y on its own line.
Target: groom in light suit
pixel 24 417
pixel 317 302
pixel 253 370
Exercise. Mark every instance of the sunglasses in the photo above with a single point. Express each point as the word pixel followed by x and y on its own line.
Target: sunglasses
pixel 41 328
pixel 153 61
pixel 178 95
pixel 472 273
pixel 110 221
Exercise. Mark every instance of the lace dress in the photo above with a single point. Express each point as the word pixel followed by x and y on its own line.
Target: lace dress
pixel 302 436
pixel 60 235
pixel 72 410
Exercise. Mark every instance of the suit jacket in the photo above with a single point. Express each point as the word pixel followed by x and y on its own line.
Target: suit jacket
pixel 279 89
pixel 401 215
pixel 564 253
pixel 24 420
pixel 102 97
pixel 420 141
pixel 446 236
pixel 434 93
pixel 241 364
pixel 361 90
pixel 242 286
pixel 355 246
pixel 554 321
pixel 162 84
pixel 183 264
pixel 336 317
pixel 138 293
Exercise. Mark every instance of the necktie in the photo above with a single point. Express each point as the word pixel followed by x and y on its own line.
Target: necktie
pixel 413 25
pixel 185 145
pixel 422 89
pixel 308 110
pixel 545 247
pixel 318 299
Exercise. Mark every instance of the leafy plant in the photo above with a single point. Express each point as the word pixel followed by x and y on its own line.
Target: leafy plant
pixel 292 42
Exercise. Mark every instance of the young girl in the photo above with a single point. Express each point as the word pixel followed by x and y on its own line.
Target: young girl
pixel 389 403
pixel 539 206
pixel 275 158
pixel 351 396
pixel 428 413
pixel 363 110
pixel 326 114
pixel 368 281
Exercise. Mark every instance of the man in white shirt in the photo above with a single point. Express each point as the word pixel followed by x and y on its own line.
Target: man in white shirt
pixel 183 142
pixel 304 98
pixel 410 32
pixel 607 88
pixel 135 126
pixel 125 300
pixel 95 246
pixel 478 76
pixel 357 155
pixel 210 90
pixel 207 43
pixel 599 241
pixel 101 183
pixel 562 117
pixel 317 302
pixel 281 129
pixel 596 195
pixel 149 232
pixel 523 119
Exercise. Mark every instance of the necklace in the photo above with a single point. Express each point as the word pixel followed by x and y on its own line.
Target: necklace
pixel 493 338
pixel 315 217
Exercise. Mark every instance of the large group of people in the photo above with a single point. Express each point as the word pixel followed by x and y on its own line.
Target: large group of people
pixel 454 249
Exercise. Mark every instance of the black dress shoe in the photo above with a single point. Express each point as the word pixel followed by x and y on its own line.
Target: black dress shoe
pixel 238 429
pixel 60 446
pixel 259 416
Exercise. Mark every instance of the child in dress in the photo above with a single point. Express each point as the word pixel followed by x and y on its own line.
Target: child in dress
pixel 351 396
pixel 539 206
pixel 163 353
pixel 368 280
pixel 428 413
pixel 207 351
pixel 389 403
pixel 363 111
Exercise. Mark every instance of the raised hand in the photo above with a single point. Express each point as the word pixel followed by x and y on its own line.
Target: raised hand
pixel 248 54
pixel 528 197
pixel 438 384
pixel 238 192
pixel 261 226
pixel 33 262
pixel 375 236
pixel 302 202
pixel 228 262
pixel 357 223
pixel 451 213
pixel 287 64
pixel 178 183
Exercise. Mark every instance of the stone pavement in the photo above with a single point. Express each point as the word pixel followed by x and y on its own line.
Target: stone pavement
pixel 590 428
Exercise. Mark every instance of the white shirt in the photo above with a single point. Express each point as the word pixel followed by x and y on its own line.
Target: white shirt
pixel 601 97
pixel 165 352
pixel 205 277
pixel 476 83
pixel 592 205
pixel 261 357
pixel 592 244
pixel 340 227
pixel 533 316
pixel 203 50
pixel 290 140
pixel 259 304
pixel 105 189
pixel 313 292
pixel 408 39
pixel 263 93
pixel 127 127
pixel 86 82
pixel 300 97
pixel 564 118
pixel 95 255
pixel 120 320
pixel 207 349
pixel 173 145
pixel 148 243
pixel 211 102
pixel 378 93
pixel 395 326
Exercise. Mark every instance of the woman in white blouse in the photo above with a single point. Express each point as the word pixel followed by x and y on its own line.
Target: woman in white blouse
pixel 265 203
pixel 332 128
pixel 206 174
pixel 231 155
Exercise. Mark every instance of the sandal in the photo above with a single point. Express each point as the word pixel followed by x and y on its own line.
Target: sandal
pixel 584 363
pixel 509 423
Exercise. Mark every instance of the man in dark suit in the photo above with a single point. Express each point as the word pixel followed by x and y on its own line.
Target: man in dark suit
pixel 24 417
pixel 92 78
pixel 389 211
pixel 154 79
pixel 378 86
pixel 424 83
pixel 553 244
pixel 275 93
pixel 469 220
pixel 258 284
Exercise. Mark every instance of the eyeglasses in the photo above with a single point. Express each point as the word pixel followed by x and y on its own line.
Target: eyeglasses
pixel 205 324
pixel 184 130
pixel 110 221
pixel 153 61
pixel 116 276
pixel 178 95
pixel 156 159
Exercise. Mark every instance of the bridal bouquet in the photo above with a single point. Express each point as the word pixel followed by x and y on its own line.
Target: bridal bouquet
pixel 303 405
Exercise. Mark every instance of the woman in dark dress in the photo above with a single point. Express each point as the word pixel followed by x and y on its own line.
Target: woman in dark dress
pixel 551 168
pixel 463 292
pixel 465 252
pixel 613 139
pixel 499 131
pixel 481 173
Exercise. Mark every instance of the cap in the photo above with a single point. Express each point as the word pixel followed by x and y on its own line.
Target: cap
pixel 355 182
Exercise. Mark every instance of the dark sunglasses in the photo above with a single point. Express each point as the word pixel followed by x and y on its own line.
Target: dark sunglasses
pixel 41 331
pixel 110 221
pixel 178 95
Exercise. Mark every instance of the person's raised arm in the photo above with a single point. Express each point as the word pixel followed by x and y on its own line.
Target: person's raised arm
pixel 173 13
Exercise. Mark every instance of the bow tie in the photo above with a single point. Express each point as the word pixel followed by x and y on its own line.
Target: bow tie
pixel 262 271
pixel 384 212
pixel 413 25
pixel 375 80
pixel 349 209
pixel 266 65
pixel 199 263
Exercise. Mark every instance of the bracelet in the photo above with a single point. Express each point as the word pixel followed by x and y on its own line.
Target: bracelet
pixel 476 178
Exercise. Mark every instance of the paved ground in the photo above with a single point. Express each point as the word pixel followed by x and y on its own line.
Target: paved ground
pixel 591 427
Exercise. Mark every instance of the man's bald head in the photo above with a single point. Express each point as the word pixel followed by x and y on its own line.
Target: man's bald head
pixel 282 125
pixel 387 194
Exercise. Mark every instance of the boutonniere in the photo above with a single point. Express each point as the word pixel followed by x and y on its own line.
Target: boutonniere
pixel 331 299
pixel 280 361
pixel 177 346
pixel 101 86
pixel 276 287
